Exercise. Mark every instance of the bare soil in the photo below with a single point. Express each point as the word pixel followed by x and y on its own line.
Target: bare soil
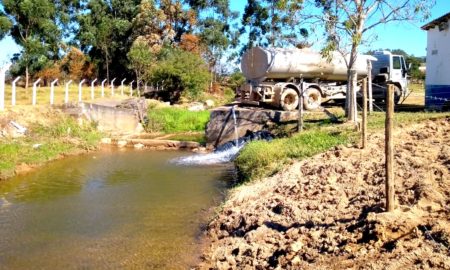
pixel 327 212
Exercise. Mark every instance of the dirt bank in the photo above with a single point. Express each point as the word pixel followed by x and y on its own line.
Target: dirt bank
pixel 327 212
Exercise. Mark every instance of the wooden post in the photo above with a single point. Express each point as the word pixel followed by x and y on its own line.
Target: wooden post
pixel 300 109
pixel 389 151
pixel 364 115
pixel 369 78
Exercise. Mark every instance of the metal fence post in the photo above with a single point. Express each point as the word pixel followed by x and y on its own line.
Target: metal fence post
pixel 131 88
pixel 103 87
pixel 52 91
pixel 13 91
pixel 112 87
pixel 80 85
pixel 66 96
pixel 35 91
pixel 121 86
pixel 92 88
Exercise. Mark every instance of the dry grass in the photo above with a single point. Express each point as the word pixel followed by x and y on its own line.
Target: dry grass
pixel 24 96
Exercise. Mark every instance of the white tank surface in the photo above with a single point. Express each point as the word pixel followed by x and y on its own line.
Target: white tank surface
pixel 278 63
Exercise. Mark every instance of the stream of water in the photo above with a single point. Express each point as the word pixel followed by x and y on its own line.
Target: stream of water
pixel 127 209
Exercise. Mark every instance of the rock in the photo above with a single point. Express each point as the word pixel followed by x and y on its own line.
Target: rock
pixel 139 128
pixel 122 143
pixel 196 107
pixel 37 145
pixel 296 246
pixel 209 103
pixel 105 140
pixel 138 146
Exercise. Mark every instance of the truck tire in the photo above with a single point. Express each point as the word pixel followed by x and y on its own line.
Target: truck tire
pixel 312 99
pixel 397 94
pixel 289 99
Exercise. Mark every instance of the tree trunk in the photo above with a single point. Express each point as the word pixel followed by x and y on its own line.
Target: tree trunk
pixel 27 78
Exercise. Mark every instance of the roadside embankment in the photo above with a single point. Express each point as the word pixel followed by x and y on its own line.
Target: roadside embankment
pixel 327 212
pixel 32 136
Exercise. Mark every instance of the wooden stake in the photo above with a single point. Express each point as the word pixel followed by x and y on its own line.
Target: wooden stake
pixel 300 109
pixel 389 151
pixel 364 115
pixel 369 78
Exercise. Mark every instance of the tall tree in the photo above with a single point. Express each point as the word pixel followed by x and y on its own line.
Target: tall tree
pixel 217 29
pixel 274 23
pixel 348 24
pixel 105 28
pixel 35 26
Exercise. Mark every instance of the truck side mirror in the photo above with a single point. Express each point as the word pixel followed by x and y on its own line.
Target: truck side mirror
pixel 409 66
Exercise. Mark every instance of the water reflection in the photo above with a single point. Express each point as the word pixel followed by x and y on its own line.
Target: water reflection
pixel 109 210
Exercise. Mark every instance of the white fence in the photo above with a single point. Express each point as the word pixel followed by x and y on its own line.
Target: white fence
pixel 36 84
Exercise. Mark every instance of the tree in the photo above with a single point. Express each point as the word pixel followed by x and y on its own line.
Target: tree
pixel 179 74
pixel 273 22
pixel 105 28
pixel 34 26
pixel 216 29
pixel 142 59
pixel 348 23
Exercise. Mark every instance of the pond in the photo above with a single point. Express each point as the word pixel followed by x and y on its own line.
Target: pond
pixel 113 209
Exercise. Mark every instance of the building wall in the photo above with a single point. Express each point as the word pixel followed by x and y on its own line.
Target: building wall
pixel 437 81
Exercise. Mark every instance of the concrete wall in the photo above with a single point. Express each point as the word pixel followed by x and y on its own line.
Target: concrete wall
pixel 437 83
pixel 111 118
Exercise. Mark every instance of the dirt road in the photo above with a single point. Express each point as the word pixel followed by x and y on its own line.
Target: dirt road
pixel 327 212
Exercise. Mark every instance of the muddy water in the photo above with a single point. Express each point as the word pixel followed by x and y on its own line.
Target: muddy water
pixel 129 209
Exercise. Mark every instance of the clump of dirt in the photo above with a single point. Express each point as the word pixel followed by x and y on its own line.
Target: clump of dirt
pixel 327 212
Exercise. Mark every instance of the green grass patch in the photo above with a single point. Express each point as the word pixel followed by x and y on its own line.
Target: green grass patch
pixel 261 158
pixel 192 137
pixel 46 142
pixel 175 120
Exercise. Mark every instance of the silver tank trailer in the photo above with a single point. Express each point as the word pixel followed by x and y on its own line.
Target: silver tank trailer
pixel 258 64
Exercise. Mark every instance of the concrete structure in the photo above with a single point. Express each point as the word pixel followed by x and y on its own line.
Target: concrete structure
pixel 437 83
pixel 220 128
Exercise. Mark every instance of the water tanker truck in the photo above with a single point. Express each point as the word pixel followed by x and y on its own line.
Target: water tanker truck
pixel 274 76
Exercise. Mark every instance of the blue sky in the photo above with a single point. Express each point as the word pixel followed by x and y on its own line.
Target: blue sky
pixel 405 35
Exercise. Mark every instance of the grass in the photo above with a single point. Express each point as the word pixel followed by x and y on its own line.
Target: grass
pixel 260 159
pixel 46 142
pixel 176 120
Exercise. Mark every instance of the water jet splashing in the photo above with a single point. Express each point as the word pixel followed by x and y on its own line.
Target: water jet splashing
pixel 224 153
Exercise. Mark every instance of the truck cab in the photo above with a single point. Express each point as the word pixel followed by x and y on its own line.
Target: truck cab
pixel 389 68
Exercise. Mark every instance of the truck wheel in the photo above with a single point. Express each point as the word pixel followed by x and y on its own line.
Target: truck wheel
pixel 289 99
pixel 312 99
pixel 397 94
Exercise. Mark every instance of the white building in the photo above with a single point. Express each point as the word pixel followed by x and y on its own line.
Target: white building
pixel 437 83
